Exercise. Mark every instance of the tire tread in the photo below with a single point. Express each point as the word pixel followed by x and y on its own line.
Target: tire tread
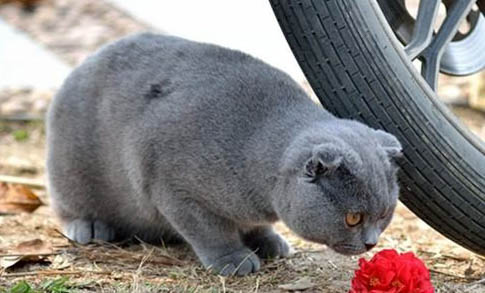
pixel 343 63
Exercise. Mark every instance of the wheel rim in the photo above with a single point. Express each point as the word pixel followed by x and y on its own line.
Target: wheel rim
pixel 465 56
pixel 447 50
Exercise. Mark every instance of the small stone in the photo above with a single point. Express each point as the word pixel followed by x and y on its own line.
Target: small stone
pixel 300 284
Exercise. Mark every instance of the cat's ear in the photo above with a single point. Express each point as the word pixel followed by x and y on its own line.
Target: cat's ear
pixel 324 160
pixel 328 157
pixel 389 143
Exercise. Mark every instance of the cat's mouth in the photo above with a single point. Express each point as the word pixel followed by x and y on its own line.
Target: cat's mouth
pixel 348 249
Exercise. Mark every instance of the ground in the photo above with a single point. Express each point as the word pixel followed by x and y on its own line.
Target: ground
pixel 127 267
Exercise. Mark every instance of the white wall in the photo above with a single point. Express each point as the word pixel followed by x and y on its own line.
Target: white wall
pixel 24 63
pixel 247 25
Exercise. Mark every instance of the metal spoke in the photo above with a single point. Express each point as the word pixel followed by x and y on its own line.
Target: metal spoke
pixel 423 28
pixel 432 54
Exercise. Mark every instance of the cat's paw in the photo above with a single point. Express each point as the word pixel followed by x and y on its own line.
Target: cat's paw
pixel 84 231
pixel 268 245
pixel 239 263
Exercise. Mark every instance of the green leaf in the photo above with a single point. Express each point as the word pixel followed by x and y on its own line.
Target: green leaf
pixel 20 134
pixel 21 287
pixel 56 285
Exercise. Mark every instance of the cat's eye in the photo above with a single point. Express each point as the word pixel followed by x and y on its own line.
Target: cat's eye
pixel 353 219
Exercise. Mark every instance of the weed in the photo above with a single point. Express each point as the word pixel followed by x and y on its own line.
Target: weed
pixel 50 286
pixel 20 135
pixel 56 285
pixel 21 287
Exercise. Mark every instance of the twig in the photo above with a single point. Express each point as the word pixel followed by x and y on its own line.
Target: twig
pixel 457 258
pixel 30 254
pixel 332 264
pixel 445 255
pixel 256 288
pixel 454 276
pixel 24 181
pixel 50 273
pixel 22 117
pixel 482 281
pixel 475 285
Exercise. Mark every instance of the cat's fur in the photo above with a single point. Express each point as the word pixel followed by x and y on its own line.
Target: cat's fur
pixel 169 139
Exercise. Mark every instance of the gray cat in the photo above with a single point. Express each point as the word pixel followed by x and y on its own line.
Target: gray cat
pixel 169 139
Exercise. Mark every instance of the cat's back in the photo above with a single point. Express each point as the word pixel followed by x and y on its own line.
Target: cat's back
pixel 193 113
pixel 177 87
pixel 151 79
pixel 157 71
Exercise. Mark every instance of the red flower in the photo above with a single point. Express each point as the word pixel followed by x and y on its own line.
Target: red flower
pixel 390 272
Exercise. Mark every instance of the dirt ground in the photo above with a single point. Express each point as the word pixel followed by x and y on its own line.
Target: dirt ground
pixel 132 267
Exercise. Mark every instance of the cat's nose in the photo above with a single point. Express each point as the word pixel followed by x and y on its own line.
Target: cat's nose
pixel 369 246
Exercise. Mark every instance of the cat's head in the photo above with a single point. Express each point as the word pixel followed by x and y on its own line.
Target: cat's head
pixel 341 192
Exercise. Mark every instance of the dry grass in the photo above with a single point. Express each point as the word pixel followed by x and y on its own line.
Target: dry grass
pixel 130 267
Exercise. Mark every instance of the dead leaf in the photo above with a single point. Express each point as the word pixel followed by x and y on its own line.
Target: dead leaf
pixel 29 251
pixel 300 284
pixel 36 246
pixel 59 262
pixel 16 199
pixel 9 261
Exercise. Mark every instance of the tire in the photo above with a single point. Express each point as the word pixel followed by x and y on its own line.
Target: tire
pixel 358 70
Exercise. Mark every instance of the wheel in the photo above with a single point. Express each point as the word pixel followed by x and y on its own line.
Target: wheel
pixel 359 70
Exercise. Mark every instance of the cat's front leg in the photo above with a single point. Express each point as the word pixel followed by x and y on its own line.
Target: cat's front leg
pixel 215 240
pixel 265 242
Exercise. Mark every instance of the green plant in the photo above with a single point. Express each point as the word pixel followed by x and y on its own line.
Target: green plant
pixel 21 287
pixel 20 134
pixel 56 286
pixel 50 286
